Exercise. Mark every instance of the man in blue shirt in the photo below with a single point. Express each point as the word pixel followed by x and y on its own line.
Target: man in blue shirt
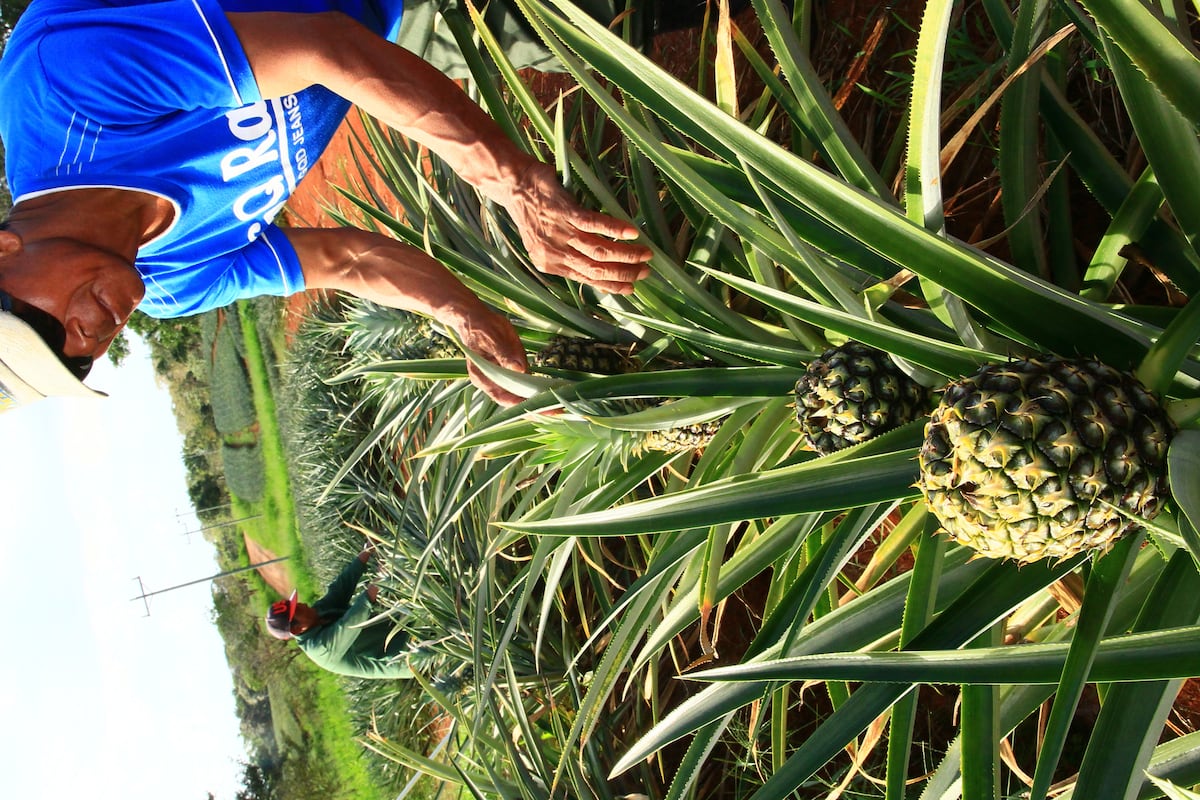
pixel 150 146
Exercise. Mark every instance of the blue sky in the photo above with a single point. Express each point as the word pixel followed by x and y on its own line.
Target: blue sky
pixel 99 700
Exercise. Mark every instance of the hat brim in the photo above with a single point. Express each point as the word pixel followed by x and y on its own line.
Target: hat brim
pixel 292 605
pixel 29 369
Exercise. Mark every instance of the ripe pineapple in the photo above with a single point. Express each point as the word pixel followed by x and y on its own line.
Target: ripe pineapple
pixel 853 393
pixel 1025 460
pixel 588 355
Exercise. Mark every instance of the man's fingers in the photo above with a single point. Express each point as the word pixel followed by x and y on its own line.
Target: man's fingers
pixel 604 225
pixel 608 251
pixel 575 266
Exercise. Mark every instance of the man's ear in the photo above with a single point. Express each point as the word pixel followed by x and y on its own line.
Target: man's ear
pixel 10 243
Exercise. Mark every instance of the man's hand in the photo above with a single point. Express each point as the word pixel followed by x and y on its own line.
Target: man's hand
pixel 489 334
pixel 289 52
pixel 567 240
pixel 395 274
pixel 372 592
pixel 367 553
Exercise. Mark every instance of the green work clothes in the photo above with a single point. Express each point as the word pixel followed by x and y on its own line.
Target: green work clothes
pixel 348 642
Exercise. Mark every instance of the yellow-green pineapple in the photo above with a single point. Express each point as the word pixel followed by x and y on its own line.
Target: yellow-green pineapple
pixel 1032 459
pixel 853 393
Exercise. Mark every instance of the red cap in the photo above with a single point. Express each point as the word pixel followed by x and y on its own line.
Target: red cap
pixel 279 618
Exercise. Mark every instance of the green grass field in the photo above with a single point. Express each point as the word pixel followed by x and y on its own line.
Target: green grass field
pixel 315 716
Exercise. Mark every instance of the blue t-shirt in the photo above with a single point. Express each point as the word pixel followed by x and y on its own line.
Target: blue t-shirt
pixel 159 97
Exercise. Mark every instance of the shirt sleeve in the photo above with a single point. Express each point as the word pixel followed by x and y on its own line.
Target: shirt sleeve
pixel 337 637
pixel 339 640
pixel 131 64
pixel 268 265
pixel 342 589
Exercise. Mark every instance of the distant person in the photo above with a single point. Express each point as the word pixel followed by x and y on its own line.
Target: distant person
pixel 150 144
pixel 337 631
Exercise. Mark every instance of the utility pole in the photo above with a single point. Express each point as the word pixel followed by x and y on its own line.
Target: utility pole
pixel 144 596
pixel 199 511
pixel 220 525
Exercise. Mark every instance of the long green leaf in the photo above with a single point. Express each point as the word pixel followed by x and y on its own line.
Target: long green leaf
pixel 1135 712
pixel 1159 655
pixel 1183 474
pixel 984 604
pixel 1170 61
pixel 1053 319
pixel 856 624
pixel 1107 577
pixel 815 486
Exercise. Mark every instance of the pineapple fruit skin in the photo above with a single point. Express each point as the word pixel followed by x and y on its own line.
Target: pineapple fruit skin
pixel 853 393
pixel 588 355
pixel 1025 460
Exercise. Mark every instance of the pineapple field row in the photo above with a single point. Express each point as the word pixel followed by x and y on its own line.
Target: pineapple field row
pixel 886 483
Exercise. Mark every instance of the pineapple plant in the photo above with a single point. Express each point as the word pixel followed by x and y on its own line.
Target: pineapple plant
pixel 1044 458
pixel 588 355
pixel 394 333
pixel 853 393
pixel 820 249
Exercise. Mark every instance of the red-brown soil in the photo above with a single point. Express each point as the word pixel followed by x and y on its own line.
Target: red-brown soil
pixel 276 575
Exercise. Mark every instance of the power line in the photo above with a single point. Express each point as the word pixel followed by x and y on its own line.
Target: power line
pixel 145 595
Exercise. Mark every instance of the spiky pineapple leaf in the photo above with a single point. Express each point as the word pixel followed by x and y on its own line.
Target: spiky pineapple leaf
pixel 1183 474
pixel 857 624
pixel 432 369
pixel 1155 655
pixel 818 485
pixel 1050 317
pixel 1105 581
pixel 1135 712
pixel 981 606
pixel 942 357
pixel 1167 59
pixel 1160 367
pixel 1172 791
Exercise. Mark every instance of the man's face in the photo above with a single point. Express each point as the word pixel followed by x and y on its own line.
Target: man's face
pixel 91 291
pixel 305 618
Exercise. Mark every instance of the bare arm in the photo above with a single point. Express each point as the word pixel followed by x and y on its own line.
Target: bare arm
pixel 289 52
pixel 395 274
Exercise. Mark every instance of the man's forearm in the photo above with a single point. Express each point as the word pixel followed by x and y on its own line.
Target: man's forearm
pixel 394 274
pixel 289 52
pixel 383 270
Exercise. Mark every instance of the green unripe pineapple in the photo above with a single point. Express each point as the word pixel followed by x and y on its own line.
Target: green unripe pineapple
pixel 681 439
pixel 600 358
pixel 853 393
pixel 587 355
pixel 1027 460
pixel 392 333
